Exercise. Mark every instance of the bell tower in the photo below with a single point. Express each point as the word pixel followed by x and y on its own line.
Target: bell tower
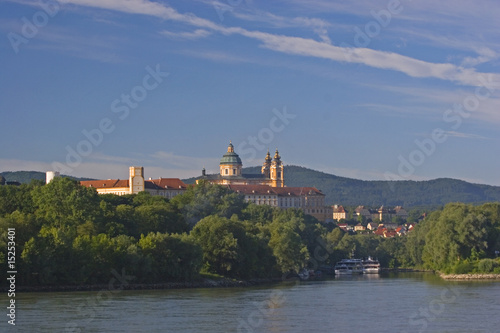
pixel 277 168
pixel 136 180
pixel 266 167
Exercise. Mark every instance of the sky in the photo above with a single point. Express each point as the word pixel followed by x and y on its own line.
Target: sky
pixel 373 90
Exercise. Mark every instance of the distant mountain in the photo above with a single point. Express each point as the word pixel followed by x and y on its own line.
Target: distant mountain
pixel 25 177
pixel 353 192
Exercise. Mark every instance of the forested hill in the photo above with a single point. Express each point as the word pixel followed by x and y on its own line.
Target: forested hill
pixel 353 192
pixel 24 177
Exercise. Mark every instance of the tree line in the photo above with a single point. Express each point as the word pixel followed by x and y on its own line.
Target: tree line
pixel 67 234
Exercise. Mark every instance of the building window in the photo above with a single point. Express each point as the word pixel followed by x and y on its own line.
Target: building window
pixel 227 171
pixel 234 171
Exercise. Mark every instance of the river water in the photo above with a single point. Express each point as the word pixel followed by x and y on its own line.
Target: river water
pixel 403 302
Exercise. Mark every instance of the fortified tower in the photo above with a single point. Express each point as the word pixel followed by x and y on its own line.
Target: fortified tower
pixel 136 180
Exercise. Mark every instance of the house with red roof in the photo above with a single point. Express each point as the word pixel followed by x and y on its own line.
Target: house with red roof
pixel 339 213
pixel 166 187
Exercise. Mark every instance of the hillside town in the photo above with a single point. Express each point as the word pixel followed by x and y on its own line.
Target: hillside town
pixel 267 188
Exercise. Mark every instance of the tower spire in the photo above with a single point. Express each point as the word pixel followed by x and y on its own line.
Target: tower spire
pixel 277 156
pixel 230 148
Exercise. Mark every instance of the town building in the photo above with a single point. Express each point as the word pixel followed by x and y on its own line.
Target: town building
pixel 339 213
pixel 309 199
pixel 388 214
pixel 166 187
pixel 362 211
pixel 382 214
pixel 359 227
pixel 401 212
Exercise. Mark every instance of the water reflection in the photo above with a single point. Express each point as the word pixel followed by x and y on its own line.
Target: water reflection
pixel 339 304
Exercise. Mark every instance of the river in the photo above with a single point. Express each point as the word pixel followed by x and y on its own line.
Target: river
pixel 403 302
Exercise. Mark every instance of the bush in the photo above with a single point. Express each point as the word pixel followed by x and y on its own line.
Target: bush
pixel 462 268
pixel 486 265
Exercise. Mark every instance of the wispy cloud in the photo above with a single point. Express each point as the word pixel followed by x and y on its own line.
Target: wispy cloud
pixel 467 43
pixel 302 46
pixel 219 56
pixel 145 7
pixel 465 135
pixel 319 26
pixel 198 33
pixel 484 55
pixel 372 58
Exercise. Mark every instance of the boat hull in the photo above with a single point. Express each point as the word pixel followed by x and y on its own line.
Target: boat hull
pixel 348 272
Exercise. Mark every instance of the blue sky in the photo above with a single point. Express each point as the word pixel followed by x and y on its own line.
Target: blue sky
pixel 365 89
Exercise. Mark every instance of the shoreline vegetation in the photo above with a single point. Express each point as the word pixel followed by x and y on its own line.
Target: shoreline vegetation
pixel 469 277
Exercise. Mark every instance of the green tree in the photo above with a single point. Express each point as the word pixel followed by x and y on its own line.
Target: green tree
pixel 65 202
pixel 17 198
pixel 160 217
pixel 48 258
pixel 286 243
pixel 171 257
pixel 227 249
pixel 206 199
pixel 457 233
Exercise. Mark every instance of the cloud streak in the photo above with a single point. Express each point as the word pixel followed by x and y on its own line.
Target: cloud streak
pixel 198 33
pixel 465 135
pixel 301 46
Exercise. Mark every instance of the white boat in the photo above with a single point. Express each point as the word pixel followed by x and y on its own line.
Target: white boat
pixel 371 266
pixel 304 274
pixel 349 267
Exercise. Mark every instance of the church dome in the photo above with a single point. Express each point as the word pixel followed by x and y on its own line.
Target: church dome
pixel 230 157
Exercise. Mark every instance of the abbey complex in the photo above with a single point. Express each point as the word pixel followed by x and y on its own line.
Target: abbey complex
pixel 267 188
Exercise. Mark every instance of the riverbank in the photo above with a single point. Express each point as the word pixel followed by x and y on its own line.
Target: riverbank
pixel 205 283
pixel 406 270
pixel 469 276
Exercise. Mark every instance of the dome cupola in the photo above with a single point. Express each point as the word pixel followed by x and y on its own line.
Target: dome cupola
pixel 230 157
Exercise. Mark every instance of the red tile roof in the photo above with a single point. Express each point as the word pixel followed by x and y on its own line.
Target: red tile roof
pixel 166 183
pixel 390 233
pixel 297 191
pixel 338 209
pixel 105 183
pixel 161 183
pixel 253 189
pixel 282 191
